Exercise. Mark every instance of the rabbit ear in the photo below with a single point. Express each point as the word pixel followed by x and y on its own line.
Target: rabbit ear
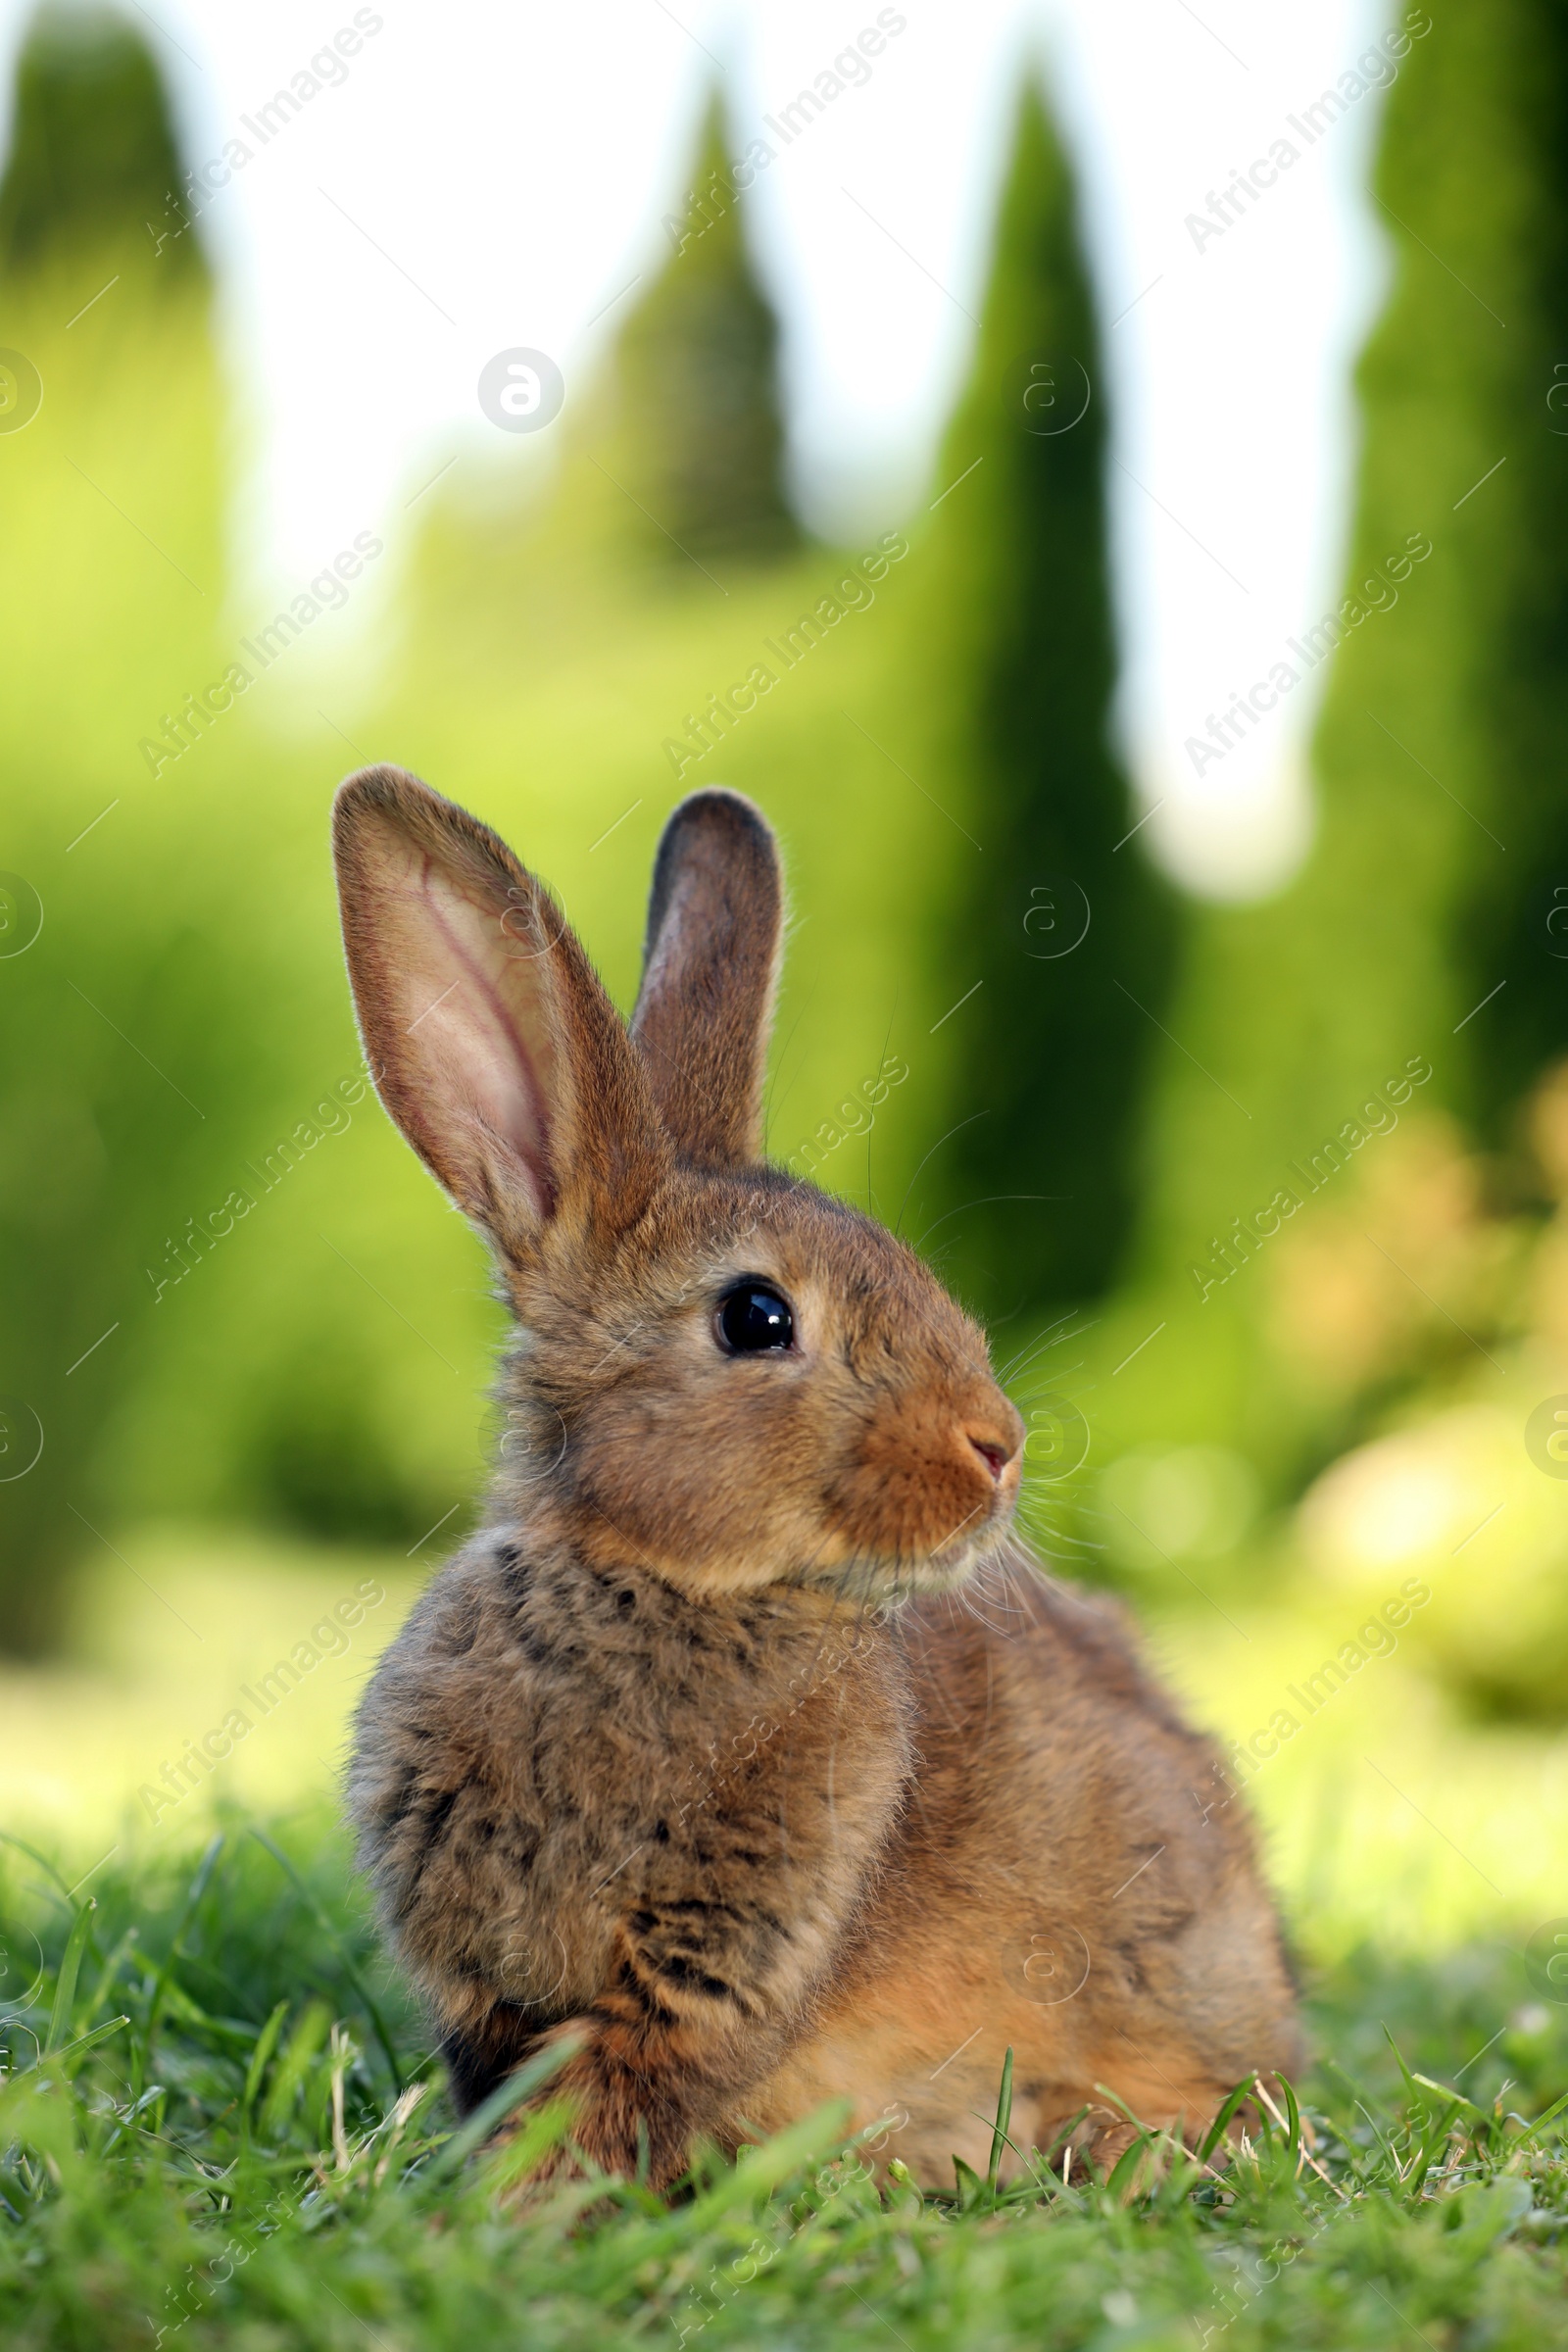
pixel 710 964
pixel 492 1042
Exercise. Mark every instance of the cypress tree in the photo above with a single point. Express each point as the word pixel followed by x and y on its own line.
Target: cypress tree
pixel 94 159
pixel 696 379
pixel 1466 391
pixel 1050 1052
pixel 1441 749
pixel 102 938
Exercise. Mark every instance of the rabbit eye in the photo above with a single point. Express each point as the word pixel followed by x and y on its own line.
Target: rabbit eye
pixel 751 1318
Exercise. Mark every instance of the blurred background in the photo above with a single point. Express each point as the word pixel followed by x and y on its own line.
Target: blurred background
pixel 1098 476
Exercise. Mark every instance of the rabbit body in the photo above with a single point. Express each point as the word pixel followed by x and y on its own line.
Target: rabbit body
pixel 884 1851
pixel 745 1746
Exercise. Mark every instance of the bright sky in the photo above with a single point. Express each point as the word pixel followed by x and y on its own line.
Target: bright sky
pixel 485 177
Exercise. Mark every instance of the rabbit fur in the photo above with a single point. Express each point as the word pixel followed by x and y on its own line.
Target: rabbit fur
pixel 745 1754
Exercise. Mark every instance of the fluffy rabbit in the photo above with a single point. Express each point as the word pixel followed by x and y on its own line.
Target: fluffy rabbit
pixel 745 1743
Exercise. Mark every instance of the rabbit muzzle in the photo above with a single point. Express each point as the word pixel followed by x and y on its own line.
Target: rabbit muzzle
pixel 932 1480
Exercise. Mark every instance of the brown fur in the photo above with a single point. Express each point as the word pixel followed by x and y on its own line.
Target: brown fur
pixel 710 967
pixel 745 1743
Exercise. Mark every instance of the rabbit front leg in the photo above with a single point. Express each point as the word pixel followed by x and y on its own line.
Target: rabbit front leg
pixel 737 1913
pixel 702 1998
pixel 666 2056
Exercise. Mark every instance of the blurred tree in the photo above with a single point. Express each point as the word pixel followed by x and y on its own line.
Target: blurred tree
pixel 121 992
pixel 695 378
pixel 93 156
pixel 1062 933
pixel 1465 391
pixel 1422 925
pixel 107 946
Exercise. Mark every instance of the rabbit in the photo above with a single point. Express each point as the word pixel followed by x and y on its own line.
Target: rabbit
pixel 745 1757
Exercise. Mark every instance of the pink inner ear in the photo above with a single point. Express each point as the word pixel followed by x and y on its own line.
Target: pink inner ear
pixel 475 1018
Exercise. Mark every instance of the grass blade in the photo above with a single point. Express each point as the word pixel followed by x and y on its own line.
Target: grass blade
pixel 1293 2112
pixel 1126 2164
pixel 999 2139
pixel 1551 2115
pixel 66 1982
pixel 1217 2129
pixel 970 2186
pixel 198 1888
pixel 1411 2089
pixel 89 2042
pixel 503 2100
pixel 769 2163
pixel 42 1860
pixel 1456 2098
pixel 315 2024
pixel 379 2025
pixel 266 2044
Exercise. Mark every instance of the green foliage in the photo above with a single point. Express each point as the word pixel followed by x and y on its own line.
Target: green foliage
pixel 1441 759
pixel 695 382
pixel 1464 387
pixel 180 1012
pixel 134 964
pixel 214 2121
pixel 1049 1055
pixel 93 159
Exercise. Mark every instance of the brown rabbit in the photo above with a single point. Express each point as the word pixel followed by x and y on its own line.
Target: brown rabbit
pixel 743 1742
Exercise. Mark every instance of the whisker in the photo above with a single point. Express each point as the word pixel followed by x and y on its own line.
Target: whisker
pixel 931 1154
pixel 986 1200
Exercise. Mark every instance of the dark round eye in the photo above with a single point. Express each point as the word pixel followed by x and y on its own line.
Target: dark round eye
pixel 753 1317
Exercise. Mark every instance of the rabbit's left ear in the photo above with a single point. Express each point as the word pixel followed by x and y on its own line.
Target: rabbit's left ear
pixel 709 966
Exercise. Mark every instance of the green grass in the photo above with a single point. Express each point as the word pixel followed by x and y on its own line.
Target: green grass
pixel 222 2121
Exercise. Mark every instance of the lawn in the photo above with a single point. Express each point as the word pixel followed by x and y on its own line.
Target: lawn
pixel 227 2123
pixel 223 2118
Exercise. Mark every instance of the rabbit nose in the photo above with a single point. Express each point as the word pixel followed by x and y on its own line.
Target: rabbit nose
pixel 994 1448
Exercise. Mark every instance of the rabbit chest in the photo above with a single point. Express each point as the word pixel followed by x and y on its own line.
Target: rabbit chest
pixel 548 1756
